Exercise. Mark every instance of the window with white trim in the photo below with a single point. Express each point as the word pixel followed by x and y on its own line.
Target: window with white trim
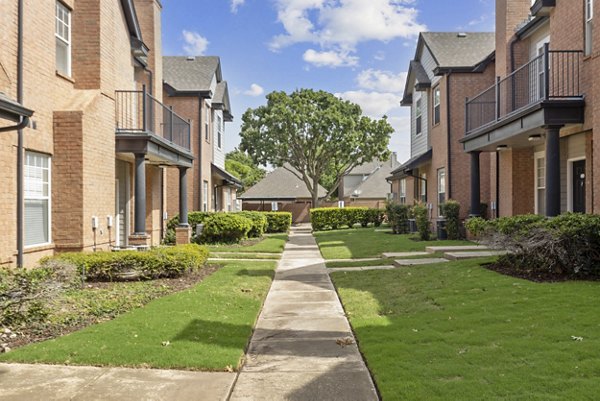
pixel 37 199
pixel 419 117
pixel 589 16
pixel 207 123
pixel 205 196
pixel 441 188
pixel 436 106
pixel 219 131
pixel 63 39
pixel 423 186
pixel 228 199
pixel 540 183
pixel 402 194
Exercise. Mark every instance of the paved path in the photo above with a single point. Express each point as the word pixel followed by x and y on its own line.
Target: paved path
pixel 303 348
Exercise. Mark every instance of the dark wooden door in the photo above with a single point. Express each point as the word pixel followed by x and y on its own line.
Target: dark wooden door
pixel 579 186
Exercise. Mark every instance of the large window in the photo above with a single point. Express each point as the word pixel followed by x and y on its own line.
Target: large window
pixel 441 188
pixel 589 16
pixel 419 117
pixel 540 183
pixel 423 187
pixel 228 199
pixel 219 131
pixel 436 105
pixel 205 196
pixel 63 39
pixel 37 199
pixel 402 194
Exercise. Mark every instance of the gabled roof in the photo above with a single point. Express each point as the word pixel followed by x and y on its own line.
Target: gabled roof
pixel 280 184
pixel 413 163
pixel 191 74
pixel 221 101
pixel 366 169
pixel 376 186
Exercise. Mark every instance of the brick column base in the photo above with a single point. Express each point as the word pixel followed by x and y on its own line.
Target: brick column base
pixel 138 240
pixel 183 235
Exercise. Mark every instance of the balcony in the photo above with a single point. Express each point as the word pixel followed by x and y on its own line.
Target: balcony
pixel 544 92
pixel 146 126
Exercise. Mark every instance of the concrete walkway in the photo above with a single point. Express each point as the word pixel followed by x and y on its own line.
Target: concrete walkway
pixel 303 348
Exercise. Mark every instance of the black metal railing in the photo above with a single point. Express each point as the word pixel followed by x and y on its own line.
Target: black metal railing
pixel 553 75
pixel 139 111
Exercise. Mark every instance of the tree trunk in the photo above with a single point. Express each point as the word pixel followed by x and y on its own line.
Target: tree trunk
pixel 315 193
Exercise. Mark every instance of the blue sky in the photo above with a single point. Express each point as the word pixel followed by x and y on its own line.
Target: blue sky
pixel 359 49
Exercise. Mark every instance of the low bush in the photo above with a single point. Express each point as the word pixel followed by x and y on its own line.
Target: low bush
pixel 334 218
pixel 278 222
pixel 166 262
pixel 451 211
pixel 567 245
pixel 372 216
pixel 226 228
pixel 193 219
pixel 421 215
pixel 21 295
pixel 259 223
pixel 397 216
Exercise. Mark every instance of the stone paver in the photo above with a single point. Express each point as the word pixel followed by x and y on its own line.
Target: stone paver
pixel 56 383
pixel 303 347
pixel 416 262
pixel 404 254
pixel 456 248
pixel 472 255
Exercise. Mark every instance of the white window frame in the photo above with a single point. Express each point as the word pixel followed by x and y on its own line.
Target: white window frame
pixel 402 193
pixel 437 104
pixel 219 131
pixel 47 197
pixel 537 156
pixel 441 173
pixel 228 199
pixel 60 7
pixel 418 115
pixel 205 196
pixel 589 25
pixel 207 123
pixel 423 188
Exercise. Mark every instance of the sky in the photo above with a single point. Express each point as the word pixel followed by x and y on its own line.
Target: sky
pixel 357 49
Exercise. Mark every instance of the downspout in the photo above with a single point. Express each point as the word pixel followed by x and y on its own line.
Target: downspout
pixel 497 184
pixel 449 146
pixel 200 158
pixel 20 178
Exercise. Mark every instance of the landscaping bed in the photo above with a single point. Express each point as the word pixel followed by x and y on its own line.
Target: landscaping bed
pixel 270 243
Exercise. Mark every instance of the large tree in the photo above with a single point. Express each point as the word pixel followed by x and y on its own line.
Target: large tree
pixel 239 164
pixel 316 133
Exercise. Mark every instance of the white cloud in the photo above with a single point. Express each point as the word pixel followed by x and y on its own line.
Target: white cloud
pixel 382 81
pixel 373 104
pixel 254 91
pixel 195 44
pixel 330 58
pixel 235 4
pixel 379 56
pixel 343 24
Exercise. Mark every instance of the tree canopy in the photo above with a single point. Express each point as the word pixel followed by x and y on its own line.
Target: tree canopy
pixel 239 164
pixel 321 136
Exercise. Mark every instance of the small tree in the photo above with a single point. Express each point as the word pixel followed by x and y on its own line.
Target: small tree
pixel 422 219
pixel 319 135
pixel 451 210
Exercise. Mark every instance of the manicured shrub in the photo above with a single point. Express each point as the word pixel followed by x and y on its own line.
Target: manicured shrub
pixel 451 211
pixel 278 222
pixel 226 228
pixel 193 219
pixel 145 265
pixel 421 215
pixel 259 223
pixel 397 216
pixel 334 218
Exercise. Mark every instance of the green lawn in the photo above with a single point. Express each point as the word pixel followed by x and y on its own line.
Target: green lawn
pixel 457 331
pixel 246 255
pixel 367 243
pixel 350 263
pixel 206 327
pixel 271 243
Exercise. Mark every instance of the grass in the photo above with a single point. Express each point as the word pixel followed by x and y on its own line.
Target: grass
pixel 350 263
pixel 271 243
pixel 206 327
pixel 457 331
pixel 367 243
pixel 245 255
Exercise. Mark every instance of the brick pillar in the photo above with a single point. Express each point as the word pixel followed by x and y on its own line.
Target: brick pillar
pixel 183 235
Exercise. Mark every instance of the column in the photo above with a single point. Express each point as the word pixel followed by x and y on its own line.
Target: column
pixel 140 195
pixel 552 171
pixel 183 206
pixel 475 184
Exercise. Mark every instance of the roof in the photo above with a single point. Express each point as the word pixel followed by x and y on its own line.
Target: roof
pixel 12 110
pixel 365 169
pixel 191 74
pixel 451 49
pixel 221 100
pixel 414 162
pixel 280 184
pixel 227 177
pixel 376 186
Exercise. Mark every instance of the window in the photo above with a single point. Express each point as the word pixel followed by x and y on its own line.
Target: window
pixel 589 15
pixel 37 199
pixel 419 117
pixel 441 189
pixel 423 186
pixel 207 123
pixel 219 131
pixel 63 39
pixel 228 199
pixel 540 183
pixel 436 106
pixel 402 195
pixel 205 196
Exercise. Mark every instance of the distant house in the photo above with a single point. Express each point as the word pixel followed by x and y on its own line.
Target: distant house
pixel 281 190
pixel 367 185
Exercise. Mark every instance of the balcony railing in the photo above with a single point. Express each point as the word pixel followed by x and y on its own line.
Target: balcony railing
pixel 138 111
pixel 553 75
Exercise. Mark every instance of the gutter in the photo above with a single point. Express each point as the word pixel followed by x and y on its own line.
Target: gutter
pixel 449 146
pixel 20 167
pixel 23 124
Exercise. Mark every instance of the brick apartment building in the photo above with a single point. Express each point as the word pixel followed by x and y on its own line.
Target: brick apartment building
pixel 194 86
pixel 95 154
pixel 447 68
pixel 539 116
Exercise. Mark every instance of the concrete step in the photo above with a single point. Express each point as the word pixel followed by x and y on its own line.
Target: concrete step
pixel 456 248
pixel 403 254
pixel 472 255
pixel 416 262
pixel 360 269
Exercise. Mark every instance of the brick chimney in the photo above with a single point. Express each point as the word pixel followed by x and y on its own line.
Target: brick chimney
pixel 509 14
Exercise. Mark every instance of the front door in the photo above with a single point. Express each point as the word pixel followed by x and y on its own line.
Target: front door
pixel 579 186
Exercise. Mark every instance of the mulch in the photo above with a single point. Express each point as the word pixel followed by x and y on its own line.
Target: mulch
pixel 534 275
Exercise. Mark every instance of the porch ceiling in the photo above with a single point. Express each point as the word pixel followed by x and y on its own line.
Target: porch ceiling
pixel 157 149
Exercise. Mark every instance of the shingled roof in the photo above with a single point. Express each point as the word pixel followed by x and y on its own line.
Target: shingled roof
pixel 376 186
pixel 280 184
pixel 191 74
pixel 452 49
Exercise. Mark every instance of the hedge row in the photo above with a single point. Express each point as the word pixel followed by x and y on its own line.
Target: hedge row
pixel 567 245
pixel 278 222
pixel 165 262
pixel 334 218
pixel 398 216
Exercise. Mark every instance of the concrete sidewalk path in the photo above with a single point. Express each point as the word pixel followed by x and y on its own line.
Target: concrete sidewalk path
pixel 303 348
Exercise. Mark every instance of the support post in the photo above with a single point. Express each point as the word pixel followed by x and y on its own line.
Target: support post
pixel 475 185
pixel 552 171
pixel 183 206
pixel 140 194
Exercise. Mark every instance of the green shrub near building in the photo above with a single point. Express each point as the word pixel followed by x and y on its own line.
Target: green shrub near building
pixel 278 222
pixel 226 228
